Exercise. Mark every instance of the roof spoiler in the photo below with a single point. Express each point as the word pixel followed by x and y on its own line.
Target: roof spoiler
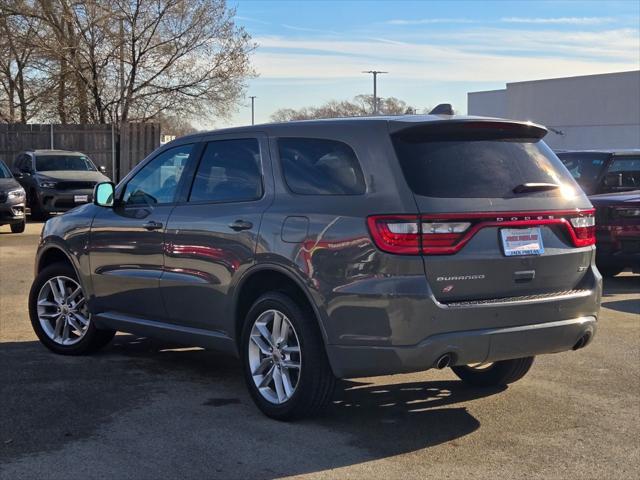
pixel 442 109
pixel 466 129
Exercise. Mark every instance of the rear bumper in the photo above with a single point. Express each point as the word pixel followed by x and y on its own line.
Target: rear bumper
pixel 473 346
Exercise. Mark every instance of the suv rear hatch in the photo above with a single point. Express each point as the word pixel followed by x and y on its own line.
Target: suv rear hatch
pixel 500 216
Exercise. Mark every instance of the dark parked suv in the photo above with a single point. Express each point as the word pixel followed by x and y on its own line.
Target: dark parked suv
pixel 327 249
pixel 56 180
pixel 604 171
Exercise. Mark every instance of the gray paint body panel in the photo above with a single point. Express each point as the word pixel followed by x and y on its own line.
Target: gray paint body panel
pixel 378 312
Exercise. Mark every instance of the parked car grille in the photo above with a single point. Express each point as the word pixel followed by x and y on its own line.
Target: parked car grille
pixel 521 298
pixel 3 197
pixel 75 185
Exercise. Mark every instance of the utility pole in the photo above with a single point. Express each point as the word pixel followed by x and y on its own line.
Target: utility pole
pixel 253 118
pixel 375 88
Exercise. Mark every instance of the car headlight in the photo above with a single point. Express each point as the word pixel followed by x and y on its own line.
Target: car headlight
pixel 16 194
pixel 47 184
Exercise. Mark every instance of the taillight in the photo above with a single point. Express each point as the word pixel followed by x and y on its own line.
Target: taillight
pixel 442 234
pixel 585 230
pixel 396 233
pixel 448 233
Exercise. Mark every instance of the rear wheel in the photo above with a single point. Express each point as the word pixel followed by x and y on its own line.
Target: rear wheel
pixel 495 373
pixel 59 313
pixel 284 361
pixel 18 227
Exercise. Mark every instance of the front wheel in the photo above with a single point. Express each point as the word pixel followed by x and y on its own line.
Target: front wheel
pixel 284 360
pixel 59 313
pixel 18 227
pixel 494 374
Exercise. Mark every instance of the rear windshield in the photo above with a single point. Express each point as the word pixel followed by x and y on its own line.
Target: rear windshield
pixel 46 163
pixel 478 168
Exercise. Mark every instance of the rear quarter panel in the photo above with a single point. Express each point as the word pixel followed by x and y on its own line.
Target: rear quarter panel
pixel 329 247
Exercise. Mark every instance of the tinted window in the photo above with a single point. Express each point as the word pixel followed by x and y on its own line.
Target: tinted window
pixel 46 163
pixel 320 167
pixel 478 168
pixel 158 180
pixel 585 168
pixel 228 172
pixel 628 169
pixel 4 171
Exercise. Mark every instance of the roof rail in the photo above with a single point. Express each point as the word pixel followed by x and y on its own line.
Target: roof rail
pixel 442 109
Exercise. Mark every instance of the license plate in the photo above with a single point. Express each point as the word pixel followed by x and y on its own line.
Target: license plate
pixel 522 241
pixel 81 198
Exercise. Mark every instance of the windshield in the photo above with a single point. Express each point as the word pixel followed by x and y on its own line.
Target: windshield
pixel 480 168
pixel 4 171
pixel 46 163
pixel 586 169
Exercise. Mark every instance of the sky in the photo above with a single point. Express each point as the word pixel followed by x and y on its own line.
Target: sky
pixel 309 52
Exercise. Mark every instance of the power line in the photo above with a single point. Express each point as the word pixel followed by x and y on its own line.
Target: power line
pixel 375 88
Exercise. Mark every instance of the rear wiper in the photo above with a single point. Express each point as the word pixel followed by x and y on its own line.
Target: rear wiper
pixel 535 187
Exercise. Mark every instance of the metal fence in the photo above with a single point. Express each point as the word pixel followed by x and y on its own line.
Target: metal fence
pixel 117 149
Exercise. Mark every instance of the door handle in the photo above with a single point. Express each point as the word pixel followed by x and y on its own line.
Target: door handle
pixel 152 225
pixel 239 225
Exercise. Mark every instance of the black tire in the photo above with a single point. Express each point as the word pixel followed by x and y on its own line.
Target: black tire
pixel 610 271
pixel 37 212
pixel 18 227
pixel 316 381
pixel 94 338
pixel 498 374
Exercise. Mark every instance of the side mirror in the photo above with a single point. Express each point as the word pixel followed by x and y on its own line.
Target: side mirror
pixel 104 194
pixel 102 169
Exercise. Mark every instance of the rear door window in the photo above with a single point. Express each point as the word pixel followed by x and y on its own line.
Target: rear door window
pixel 314 166
pixel 228 172
pixel 477 168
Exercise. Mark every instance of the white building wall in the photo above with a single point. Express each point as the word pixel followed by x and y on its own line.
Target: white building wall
pixel 594 111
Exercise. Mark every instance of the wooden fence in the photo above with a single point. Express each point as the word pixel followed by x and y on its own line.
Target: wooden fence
pixel 106 145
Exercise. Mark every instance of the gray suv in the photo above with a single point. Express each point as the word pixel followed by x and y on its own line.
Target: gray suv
pixel 56 180
pixel 335 248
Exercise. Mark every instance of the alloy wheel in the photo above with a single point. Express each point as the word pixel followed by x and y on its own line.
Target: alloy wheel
pixel 62 310
pixel 274 356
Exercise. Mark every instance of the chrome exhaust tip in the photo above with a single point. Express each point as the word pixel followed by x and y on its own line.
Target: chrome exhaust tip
pixel 583 341
pixel 444 361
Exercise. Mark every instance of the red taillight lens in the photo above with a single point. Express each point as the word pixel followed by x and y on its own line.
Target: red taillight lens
pixel 584 228
pixel 446 234
pixel 396 233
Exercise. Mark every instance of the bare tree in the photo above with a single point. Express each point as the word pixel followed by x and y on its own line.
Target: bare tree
pixel 360 106
pixel 21 84
pixel 135 60
pixel 182 56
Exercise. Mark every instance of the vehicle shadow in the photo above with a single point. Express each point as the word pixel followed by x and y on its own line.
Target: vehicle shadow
pixel 621 284
pixel 365 421
pixel 624 306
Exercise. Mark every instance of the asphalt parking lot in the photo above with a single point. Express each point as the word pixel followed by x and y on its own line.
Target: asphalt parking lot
pixel 144 410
